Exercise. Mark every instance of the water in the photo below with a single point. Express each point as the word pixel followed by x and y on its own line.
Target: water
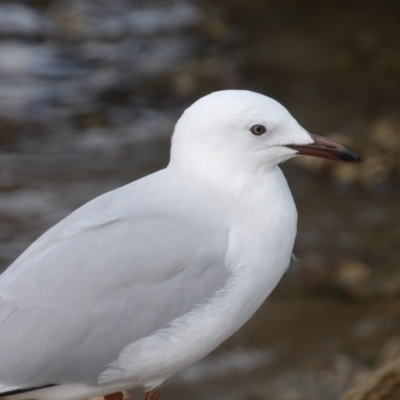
pixel 89 94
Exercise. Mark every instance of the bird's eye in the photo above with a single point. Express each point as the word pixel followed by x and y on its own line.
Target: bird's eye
pixel 258 130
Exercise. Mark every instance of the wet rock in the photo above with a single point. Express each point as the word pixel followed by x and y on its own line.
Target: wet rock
pixel 384 384
pixel 390 352
pixel 352 273
pixel 361 282
pixel 354 278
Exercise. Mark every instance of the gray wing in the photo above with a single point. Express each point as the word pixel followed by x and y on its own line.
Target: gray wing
pixel 113 272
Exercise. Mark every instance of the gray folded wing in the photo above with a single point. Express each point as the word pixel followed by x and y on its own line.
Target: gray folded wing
pixel 116 270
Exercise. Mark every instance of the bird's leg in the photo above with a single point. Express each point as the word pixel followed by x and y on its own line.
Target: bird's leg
pixel 114 396
pixel 153 394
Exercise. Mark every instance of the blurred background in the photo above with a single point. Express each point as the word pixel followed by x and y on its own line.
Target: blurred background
pixel 89 94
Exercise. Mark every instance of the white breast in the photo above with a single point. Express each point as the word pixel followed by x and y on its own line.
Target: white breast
pixel 263 228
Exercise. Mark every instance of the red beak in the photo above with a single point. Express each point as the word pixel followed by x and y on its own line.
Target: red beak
pixel 327 148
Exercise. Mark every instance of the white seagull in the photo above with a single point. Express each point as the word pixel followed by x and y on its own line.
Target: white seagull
pixel 145 280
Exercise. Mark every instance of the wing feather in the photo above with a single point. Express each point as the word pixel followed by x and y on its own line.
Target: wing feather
pixel 113 272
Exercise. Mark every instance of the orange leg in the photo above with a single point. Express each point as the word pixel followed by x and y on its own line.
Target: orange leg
pixel 154 394
pixel 114 396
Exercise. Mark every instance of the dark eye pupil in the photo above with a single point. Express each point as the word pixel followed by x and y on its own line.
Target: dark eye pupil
pixel 258 129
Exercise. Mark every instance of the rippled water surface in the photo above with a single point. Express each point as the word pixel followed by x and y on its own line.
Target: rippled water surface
pixel 89 94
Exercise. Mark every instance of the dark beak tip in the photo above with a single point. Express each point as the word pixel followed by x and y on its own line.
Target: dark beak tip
pixel 349 155
pixel 351 159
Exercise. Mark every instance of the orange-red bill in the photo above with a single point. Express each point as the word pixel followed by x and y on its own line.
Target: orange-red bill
pixel 327 148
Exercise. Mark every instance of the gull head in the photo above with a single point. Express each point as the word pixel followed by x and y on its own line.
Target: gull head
pixel 243 131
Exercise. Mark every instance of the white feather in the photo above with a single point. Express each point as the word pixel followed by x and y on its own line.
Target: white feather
pixel 145 280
